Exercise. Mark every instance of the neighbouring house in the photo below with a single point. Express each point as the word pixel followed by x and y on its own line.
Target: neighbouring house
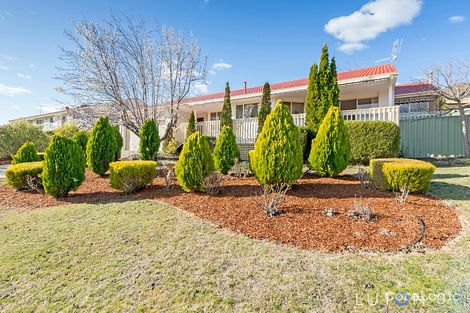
pixel 365 94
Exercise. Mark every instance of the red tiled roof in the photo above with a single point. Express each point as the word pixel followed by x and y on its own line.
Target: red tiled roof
pixel 413 88
pixel 363 72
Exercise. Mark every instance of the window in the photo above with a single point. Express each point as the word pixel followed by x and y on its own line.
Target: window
pixel 200 119
pixel 414 107
pixel 367 103
pixel 295 107
pixel 39 122
pixel 215 116
pixel 51 120
pixel 247 110
pixel 348 104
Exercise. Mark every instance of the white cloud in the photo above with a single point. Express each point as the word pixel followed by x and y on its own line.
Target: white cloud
pixel 204 3
pixel 456 19
pixel 24 76
pixel 201 88
pixel 31 65
pixel 13 91
pixel 351 47
pixel 14 106
pixel 212 72
pixel 3 67
pixel 4 14
pixel 372 19
pixel 220 66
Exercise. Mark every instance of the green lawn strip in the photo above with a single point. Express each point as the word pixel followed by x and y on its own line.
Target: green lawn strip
pixel 144 256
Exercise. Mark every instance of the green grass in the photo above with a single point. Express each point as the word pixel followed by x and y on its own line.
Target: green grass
pixel 143 256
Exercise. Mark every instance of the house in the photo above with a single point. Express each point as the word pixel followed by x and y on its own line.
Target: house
pixel 365 94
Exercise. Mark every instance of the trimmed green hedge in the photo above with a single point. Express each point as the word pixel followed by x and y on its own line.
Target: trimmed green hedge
pixel 17 175
pixel 392 174
pixel 131 176
pixel 372 139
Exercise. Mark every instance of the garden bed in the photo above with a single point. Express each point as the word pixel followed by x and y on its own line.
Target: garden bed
pixel 303 222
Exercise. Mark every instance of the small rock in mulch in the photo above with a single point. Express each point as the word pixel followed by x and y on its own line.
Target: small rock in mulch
pixel 309 227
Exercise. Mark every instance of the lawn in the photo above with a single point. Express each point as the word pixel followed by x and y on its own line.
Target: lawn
pixel 145 256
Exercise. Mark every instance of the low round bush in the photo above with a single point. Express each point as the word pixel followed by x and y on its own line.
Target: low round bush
pixel 372 140
pixel 64 167
pixel 26 153
pixel 131 176
pixel 19 174
pixel 277 157
pixel 195 163
pixel 101 146
pixel 226 150
pixel 329 155
pixel 393 174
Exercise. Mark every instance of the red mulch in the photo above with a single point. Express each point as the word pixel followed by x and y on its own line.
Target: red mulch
pixel 302 223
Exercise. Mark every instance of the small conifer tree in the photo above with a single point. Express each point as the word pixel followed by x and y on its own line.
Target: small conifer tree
pixel 195 163
pixel 119 142
pixel 64 167
pixel 26 153
pixel 226 115
pixel 311 99
pixel 81 138
pixel 329 155
pixel 226 151
pixel 191 125
pixel 265 107
pixel 101 146
pixel 149 140
pixel 277 157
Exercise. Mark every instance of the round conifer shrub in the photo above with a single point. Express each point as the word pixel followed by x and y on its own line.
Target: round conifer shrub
pixel 64 167
pixel 226 150
pixel 119 142
pixel 195 163
pixel 329 155
pixel 149 140
pixel 101 146
pixel 131 176
pixel 277 157
pixel 26 153
pixel 81 138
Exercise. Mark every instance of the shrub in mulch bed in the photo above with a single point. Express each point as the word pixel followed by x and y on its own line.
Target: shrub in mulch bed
pixel 21 175
pixel 131 176
pixel 302 223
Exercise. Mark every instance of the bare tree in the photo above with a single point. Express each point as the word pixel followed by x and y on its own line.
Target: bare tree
pixel 452 82
pixel 137 72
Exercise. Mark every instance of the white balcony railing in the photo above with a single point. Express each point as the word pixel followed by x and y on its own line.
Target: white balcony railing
pixel 246 130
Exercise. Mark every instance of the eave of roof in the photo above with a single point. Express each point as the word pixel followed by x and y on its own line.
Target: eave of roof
pixel 373 72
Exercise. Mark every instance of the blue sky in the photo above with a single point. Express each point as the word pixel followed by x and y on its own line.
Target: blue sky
pixel 255 41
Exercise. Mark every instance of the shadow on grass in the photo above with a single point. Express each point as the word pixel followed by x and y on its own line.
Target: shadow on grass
pixel 448 176
pixel 448 191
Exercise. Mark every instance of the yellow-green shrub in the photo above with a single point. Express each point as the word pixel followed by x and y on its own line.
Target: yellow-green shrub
pixel 195 163
pixel 17 175
pixel 226 150
pixel 277 157
pixel 130 176
pixel 26 153
pixel 392 174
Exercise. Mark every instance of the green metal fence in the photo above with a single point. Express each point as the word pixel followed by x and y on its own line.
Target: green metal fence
pixel 432 137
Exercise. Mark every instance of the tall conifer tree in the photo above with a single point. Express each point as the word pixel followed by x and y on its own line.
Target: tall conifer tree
pixel 334 88
pixel 311 99
pixel 265 107
pixel 226 115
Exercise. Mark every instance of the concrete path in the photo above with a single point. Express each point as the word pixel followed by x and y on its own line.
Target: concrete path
pixel 2 170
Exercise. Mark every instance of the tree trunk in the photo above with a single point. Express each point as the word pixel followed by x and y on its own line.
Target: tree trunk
pixel 463 120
